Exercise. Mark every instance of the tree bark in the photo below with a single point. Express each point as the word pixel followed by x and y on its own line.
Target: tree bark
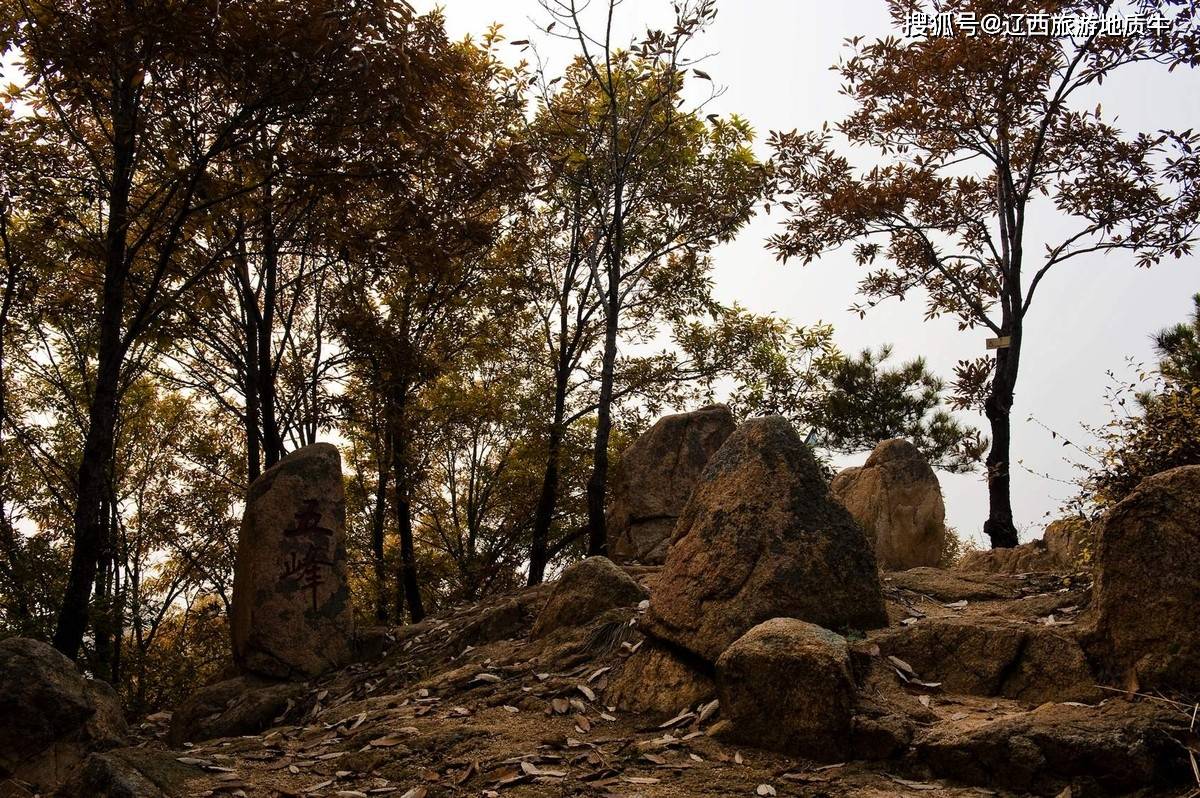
pixel 999 526
pixel 272 441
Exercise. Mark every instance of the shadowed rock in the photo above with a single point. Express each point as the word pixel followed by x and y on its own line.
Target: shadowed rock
pixel 51 715
pixel 1148 583
pixel 654 478
pixel 786 685
pixel 584 591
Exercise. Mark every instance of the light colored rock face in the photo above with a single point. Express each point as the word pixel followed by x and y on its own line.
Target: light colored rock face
pixel 51 715
pixel 896 498
pixel 585 590
pixel 1063 548
pixel 1031 557
pixel 786 685
pixel 759 539
pixel 655 477
pixel 1148 583
pixel 291 603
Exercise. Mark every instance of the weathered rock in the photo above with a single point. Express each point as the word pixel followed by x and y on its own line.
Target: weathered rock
pixel 881 737
pixel 896 498
pixel 291 604
pixel 993 657
pixel 1061 549
pixel 1148 583
pixel 951 586
pixel 759 539
pixel 786 685
pixel 133 773
pixel 654 478
pixel 1069 542
pixel 659 682
pixel 1115 749
pixel 242 705
pixel 1031 557
pixel 51 715
pixel 586 589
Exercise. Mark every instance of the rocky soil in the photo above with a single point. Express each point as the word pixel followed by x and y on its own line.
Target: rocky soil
pixel 978 686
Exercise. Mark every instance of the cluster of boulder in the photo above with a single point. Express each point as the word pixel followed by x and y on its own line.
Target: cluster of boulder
pixel 770 581
pixel 763 574
pixel 752 582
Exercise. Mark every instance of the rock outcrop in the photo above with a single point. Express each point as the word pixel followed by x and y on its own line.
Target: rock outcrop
pixel 994 658
pixel 291 603
pixel 1031 557
pixel 586 590
pixel 51 715
pixel 231 708
pixel 786 685
pixel 1148 584
pixel 1113 750
pixel 1061 549
pixel 654 478
pixel 896 498
pixel 760 539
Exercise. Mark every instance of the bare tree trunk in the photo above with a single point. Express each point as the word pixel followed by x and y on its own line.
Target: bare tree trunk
pixel 11 567
pixel 271 439
pixel 544 514
pixel 402 478
pixel 598 482
pixel 95 465
pixel 378 517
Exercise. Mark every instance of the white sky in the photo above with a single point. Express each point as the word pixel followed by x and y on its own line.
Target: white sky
pixel 1089 314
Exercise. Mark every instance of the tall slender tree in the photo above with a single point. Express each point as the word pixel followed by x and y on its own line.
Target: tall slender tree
pixel 980 133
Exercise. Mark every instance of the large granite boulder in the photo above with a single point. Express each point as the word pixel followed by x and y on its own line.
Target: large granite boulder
pixel 1148 584
pixel 896 498
pixel 51 715
pixel 786 685
pixel 654 478
pixel 291 603
pixel 586 590
pixel 761 538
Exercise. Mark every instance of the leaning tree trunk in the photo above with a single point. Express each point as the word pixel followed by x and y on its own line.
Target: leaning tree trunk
pixel 999 526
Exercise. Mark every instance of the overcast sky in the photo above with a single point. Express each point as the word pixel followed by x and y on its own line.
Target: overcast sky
pixel 1088 317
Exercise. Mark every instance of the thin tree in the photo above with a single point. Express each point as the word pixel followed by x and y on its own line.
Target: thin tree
pixel 979 134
